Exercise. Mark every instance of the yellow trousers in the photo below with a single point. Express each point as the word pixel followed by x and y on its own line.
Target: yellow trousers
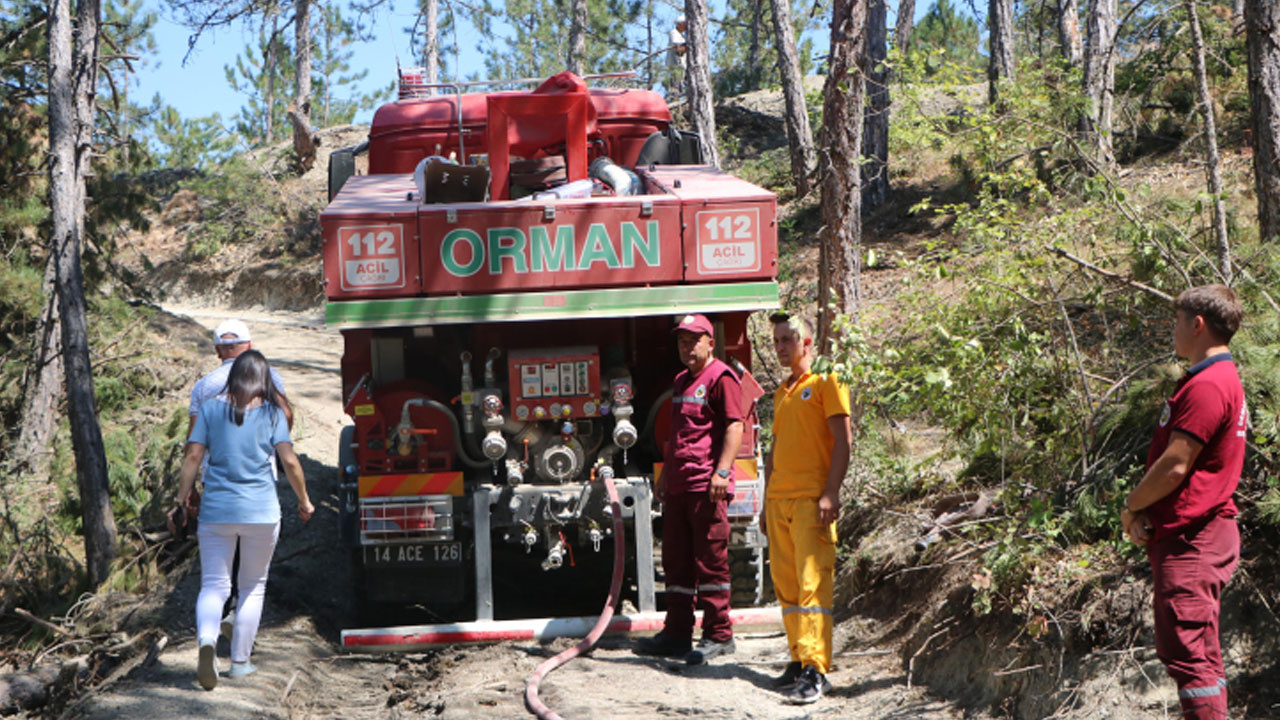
pixel 802 558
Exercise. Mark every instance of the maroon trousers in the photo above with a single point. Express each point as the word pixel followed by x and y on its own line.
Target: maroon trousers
pixel 1190 570
pixel 695 560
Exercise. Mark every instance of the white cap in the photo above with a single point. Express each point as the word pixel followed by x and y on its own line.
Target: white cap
pixel 231 332
pixel 680 19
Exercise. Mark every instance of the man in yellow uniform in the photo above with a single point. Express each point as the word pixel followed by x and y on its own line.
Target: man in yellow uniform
pixel 803 474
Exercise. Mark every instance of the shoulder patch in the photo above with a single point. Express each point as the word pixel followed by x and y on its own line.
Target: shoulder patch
pixel 1165 414
pixel 806 393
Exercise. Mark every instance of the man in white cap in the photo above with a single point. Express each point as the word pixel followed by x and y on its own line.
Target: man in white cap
pixel 230 340
pixel 676 45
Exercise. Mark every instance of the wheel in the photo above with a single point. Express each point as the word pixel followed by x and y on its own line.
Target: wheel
pixel 749 576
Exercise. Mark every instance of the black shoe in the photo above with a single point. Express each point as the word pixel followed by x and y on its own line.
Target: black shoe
pixel 708 649
pixel 788 676
pixel 809 687
pixel 663 645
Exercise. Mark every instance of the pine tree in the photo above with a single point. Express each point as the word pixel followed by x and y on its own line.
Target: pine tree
pixel 530 38
pixel 952 35
pixel 189 143
pixel 260 73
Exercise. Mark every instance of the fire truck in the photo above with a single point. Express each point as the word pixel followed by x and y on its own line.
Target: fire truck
pixel 506 276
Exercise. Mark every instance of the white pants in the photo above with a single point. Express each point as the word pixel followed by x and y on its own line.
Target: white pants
pixel 217 548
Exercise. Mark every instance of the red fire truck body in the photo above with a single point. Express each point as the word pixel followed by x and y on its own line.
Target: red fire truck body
pixel 496 350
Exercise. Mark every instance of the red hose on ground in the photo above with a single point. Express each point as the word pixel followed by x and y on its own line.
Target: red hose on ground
pixel 531 700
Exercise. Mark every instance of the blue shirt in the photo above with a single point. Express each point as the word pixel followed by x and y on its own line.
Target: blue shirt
pixel 238 484
pixel 215 383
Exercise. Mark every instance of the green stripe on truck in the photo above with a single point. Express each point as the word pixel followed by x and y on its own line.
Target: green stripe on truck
pixel 569 304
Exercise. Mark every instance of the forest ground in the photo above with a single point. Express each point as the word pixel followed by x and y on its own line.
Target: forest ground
pixel 302 675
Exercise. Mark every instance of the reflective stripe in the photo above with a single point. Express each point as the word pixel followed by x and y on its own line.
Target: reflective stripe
pixel 806 610
pixel 1199 692
pixel 681 590
pixel 690 399
pixel 714 587
pixel 1222 682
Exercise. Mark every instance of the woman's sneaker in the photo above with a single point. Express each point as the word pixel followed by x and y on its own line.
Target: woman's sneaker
pixel 810 686
pixel 787 679
pixel 207 667
pixel 239 670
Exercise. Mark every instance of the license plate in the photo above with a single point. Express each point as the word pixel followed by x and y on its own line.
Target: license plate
pixel 413 554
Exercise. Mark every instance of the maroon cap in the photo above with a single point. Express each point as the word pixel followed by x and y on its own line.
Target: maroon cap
pixel 694 324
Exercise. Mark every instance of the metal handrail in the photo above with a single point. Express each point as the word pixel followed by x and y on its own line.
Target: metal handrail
pixel 457 91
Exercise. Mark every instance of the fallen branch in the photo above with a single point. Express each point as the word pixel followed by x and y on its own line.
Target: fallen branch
pixel 124 668
pixel 1107 273
pixel 1029 668
pixel 42 622
pixel 911 664
pixel 289 686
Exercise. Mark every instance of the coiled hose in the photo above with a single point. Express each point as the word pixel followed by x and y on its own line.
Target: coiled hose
pixel 531 700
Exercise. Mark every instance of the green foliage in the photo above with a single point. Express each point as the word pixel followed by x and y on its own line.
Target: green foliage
pixel 530 38
pixel 336 101
pixel 1047 378
pixel 274 222
pixel 945 36
pixel 743 50
pixel 189 143
pixel 265 72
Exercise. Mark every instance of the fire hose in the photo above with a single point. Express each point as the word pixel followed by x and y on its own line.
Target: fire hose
pixel 531 700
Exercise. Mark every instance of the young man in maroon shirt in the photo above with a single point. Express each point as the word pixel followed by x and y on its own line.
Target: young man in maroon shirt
pixel 1182 510
pixel 695 486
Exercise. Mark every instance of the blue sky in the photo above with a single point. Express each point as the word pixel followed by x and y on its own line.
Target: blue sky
pixel 200 88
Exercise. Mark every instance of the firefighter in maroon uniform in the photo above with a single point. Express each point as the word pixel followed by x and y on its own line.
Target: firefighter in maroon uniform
pixel 695 486
pixel 1182 509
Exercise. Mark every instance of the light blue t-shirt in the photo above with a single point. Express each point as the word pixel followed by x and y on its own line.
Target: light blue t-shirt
pixel 238 484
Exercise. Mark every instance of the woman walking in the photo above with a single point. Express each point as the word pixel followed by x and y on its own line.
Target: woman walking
pixel 242 429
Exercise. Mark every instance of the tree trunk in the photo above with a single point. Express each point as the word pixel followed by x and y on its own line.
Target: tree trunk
pixel 1100 79
pixel 698 78
pixel 753 45
pixel 799 135
pixel 269 67
pixel 304 138
pixel 1262 22
pixel 1213 164
pixel 43 385
pixel 72 89
pixel 906 23
pixel 841 239
pixel 875 125
pixel 578 38
pixel 1000 30
pixel 431 44
pixel 1069 32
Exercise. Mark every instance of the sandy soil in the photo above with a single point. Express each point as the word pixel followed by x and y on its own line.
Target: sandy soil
pixel 303 676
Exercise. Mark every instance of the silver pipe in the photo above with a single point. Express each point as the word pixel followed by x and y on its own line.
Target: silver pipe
pixel 457 436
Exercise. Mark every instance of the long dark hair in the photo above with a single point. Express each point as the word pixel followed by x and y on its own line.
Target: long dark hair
pixel 250 378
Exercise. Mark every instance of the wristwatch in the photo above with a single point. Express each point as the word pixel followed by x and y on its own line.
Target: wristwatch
pixel 724 473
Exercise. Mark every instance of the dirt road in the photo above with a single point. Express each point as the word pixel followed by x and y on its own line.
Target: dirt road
pixel 302 676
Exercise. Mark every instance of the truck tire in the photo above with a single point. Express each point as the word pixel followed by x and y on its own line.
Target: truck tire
pixel 749 576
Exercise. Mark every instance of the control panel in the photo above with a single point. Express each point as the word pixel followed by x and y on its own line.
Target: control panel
pixel 554 383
